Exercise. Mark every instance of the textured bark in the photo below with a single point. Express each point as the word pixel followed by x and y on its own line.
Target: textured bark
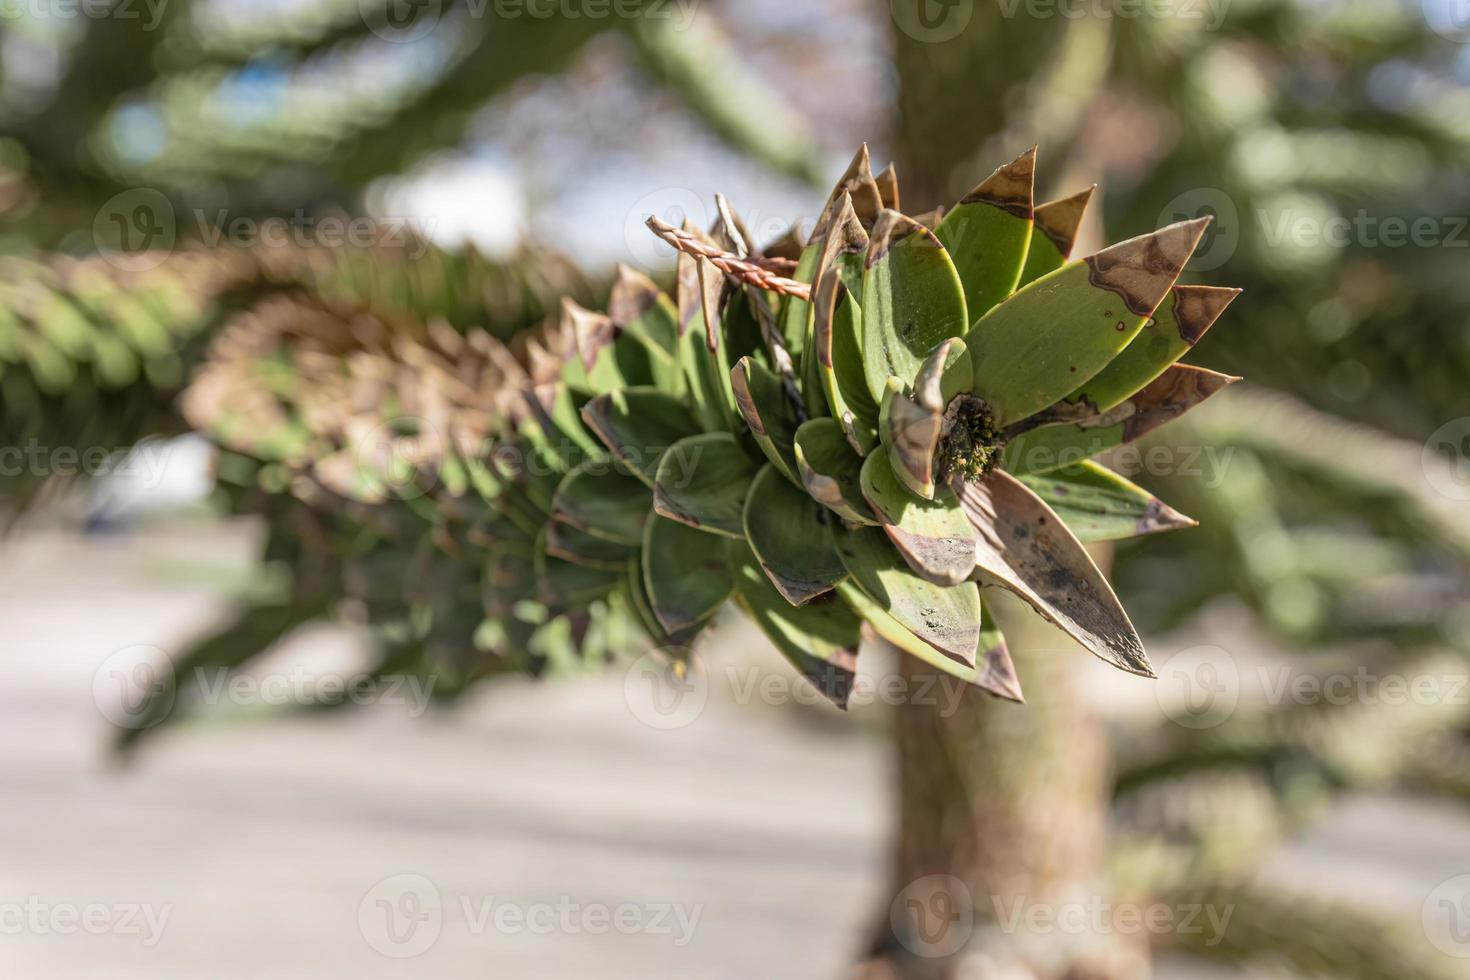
pixel 1011 801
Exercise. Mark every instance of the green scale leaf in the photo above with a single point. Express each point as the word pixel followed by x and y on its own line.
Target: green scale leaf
pixel 1057 223
pixel 1097 504
pixel 639 425
pixel 989 232
pixel 686 574
pixel 933 536
pixel 602 501
pixel 831 471
pixel 786 530
pixel 912 301
pixel 702 482
pixel 820 638
pixel 765 404
pixel 947 618
pixel 1073 434
pixel 1064 328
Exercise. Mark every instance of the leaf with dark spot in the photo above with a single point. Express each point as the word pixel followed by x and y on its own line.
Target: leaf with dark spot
pixel 1097 504
pixel 989 232
pixel 1083 433
pixel 933 536
pixel 1026 548
pixel 1064 328
pixel 947 618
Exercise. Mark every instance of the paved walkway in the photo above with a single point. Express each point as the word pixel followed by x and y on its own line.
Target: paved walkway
pixel 542 831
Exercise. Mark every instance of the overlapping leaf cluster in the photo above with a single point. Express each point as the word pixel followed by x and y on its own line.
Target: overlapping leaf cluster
pixel 864 428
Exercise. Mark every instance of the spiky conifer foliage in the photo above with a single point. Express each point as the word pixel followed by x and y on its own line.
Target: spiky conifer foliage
pixel 855 436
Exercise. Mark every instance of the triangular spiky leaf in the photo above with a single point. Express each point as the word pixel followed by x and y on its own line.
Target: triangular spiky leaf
pixel 1059 331
pixel 1027 549
pixel 1056 226
pixel 1178 324
pixel 988 234
pixel 1097 504
pixel 1173 393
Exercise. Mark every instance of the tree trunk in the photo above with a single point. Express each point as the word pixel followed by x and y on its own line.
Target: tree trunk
pixel 1002 823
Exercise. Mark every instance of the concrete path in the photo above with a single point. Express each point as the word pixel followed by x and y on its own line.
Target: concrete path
pixel 542 831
